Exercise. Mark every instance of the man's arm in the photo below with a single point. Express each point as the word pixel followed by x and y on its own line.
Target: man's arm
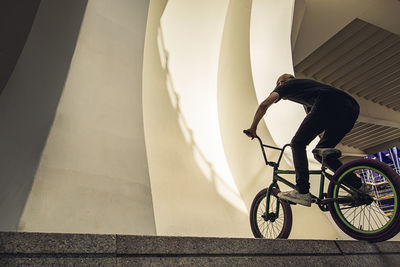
pixel 262 109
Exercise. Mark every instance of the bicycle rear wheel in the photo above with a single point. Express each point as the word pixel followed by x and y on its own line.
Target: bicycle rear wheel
pixel 274 226
pixel 374 216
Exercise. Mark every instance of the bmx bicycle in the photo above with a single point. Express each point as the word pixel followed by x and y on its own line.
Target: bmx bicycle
pixel 373 216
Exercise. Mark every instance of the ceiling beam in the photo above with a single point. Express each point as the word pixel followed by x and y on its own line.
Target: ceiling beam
pixel 376 121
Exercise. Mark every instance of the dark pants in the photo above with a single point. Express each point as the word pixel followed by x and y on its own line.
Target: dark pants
pixel 335 117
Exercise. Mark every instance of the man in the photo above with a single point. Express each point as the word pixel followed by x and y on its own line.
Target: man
pixel 329 110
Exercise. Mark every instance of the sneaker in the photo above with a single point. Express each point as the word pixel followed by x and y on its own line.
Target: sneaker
pixel 296 197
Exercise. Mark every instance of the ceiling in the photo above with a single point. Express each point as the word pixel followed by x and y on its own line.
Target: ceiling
pixel 363 60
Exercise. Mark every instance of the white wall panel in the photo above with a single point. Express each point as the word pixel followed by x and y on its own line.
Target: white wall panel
pixel 270 57
pixel 193 189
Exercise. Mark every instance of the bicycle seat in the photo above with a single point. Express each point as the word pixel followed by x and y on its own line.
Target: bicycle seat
pixel 327 152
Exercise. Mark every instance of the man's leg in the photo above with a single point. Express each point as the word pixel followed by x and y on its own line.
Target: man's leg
pixel 311 126
pixel 332 136
pixel 330 139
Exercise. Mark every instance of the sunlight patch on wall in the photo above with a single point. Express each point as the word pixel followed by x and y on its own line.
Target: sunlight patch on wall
pixel 189 43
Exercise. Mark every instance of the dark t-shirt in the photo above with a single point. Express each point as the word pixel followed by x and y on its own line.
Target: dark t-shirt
pixel 309 92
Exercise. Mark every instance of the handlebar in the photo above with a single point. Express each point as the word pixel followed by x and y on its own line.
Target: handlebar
pixel 246 132
pixel 270 163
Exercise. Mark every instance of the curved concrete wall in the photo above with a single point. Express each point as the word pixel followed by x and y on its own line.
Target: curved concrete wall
pixel 189 83
pixel 93 174
pixel 29 101
pixel 147 137
pixel 237 103
pixel 271 57
pixel 193 189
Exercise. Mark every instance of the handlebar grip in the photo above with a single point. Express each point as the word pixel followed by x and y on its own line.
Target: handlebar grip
pixel 246 132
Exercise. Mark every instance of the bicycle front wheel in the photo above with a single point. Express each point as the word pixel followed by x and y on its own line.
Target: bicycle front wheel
pixel 375 215
pixel 279 222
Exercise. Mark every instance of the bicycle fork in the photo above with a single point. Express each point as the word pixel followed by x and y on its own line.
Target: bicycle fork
pixel 268 215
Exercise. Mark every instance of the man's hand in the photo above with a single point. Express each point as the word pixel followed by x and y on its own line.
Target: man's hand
pixel 251 133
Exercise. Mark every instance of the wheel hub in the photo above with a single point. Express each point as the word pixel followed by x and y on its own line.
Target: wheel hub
pixel 365 199
pixel 362 199
pixel 270 217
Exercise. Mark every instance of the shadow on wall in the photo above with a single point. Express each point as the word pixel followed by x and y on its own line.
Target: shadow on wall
pixel 29 101
pixel 187 191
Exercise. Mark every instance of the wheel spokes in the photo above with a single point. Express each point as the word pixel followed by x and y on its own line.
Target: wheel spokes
pixel 268 228
pixel 370 217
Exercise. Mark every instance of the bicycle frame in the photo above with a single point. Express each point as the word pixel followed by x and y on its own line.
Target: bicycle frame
pixel 320 200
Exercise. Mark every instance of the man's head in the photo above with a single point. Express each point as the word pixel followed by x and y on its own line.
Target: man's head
pixel 283 78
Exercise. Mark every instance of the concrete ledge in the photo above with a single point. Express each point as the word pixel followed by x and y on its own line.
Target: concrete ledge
pixel 351 247
pixel 43 249
pixel 30 243
pixel 217 246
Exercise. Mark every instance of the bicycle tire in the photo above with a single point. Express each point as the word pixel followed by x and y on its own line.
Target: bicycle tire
pixel 278 228
pixel 374 222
